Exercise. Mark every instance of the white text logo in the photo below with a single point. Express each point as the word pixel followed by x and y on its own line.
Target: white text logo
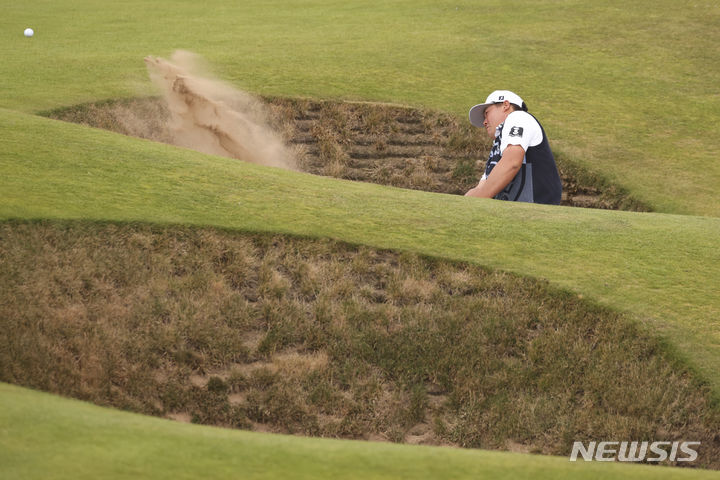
pixel 635 451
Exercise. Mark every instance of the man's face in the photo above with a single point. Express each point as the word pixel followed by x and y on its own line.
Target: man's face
pixel 495 115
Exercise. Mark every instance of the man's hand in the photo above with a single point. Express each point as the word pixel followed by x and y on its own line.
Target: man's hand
pixel 501 175
pixel 477 191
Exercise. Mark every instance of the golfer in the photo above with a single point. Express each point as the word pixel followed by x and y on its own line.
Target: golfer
pixel 521 166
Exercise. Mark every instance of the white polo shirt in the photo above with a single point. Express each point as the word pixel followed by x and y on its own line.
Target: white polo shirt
pixel 520 128
pixel 538 180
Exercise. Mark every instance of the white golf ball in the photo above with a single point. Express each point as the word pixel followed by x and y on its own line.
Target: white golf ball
pixel 29 32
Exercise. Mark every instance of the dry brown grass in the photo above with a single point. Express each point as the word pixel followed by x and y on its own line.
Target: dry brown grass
pixel 322 338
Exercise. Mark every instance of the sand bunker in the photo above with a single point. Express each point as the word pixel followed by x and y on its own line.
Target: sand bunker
pixel 213 117
pixel 362 141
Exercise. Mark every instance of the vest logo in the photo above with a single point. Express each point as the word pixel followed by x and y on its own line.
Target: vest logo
pixel 635 451
pixel 516 132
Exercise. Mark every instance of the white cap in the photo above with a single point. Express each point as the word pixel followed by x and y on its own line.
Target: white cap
pixel 477 113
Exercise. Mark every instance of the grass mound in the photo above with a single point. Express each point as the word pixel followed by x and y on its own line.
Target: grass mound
pixel 378 143
pixel 322 338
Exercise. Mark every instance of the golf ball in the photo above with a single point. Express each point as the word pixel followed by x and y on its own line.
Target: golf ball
pixel 29 32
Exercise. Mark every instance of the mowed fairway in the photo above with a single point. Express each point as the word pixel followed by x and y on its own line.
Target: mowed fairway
pixel 44 435
pixel 627 90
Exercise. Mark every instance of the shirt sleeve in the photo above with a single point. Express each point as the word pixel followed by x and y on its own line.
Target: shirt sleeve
pixel 522 129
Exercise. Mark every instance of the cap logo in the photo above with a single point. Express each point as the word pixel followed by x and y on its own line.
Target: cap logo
pixel 501 97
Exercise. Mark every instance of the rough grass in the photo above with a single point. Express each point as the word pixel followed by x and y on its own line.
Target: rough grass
pixel 316 337
pixel 380 143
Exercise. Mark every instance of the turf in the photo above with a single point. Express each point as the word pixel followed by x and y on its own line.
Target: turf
pixel 43 433
pixel 627 89
pixel 660 267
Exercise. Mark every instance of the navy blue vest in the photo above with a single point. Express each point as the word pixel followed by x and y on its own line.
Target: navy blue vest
pixel 538 180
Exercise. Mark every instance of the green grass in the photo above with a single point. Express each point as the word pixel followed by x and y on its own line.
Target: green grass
pixel 627 89
pixel 74 440
pixel 661 268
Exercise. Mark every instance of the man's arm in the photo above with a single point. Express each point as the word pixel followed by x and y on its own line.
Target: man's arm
pixel 501 175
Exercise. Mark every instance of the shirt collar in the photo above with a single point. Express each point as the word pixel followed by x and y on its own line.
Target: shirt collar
pixel 498 129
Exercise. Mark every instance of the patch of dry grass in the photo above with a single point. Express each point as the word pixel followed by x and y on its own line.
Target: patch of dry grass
pixel 316 337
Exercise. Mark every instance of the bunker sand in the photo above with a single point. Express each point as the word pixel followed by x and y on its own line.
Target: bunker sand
pixel 212 117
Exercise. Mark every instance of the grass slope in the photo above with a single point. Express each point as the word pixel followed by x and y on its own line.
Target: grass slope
pixel 660 267
pixel 381 143
pixel 628 89
pixel 42 433
pixel 320 338
pixel 597 73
